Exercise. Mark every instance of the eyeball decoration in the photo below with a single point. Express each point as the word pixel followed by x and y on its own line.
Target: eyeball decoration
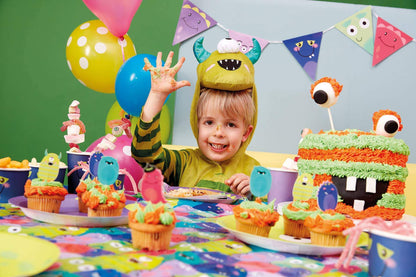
pixel 228 45
pixel 387 123
pixel 325 92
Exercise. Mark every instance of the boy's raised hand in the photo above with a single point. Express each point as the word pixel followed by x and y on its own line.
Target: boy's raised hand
pixel 162 77
pixel 163 84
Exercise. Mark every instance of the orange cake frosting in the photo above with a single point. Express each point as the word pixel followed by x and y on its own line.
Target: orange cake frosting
pixel 44 188
pixel 257 213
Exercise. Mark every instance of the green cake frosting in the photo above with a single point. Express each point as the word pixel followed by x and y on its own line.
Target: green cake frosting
pixel 327 141
pixel 259 206
pixel 298 215
pixel 165 218
pixel 43 183
pixel 393 201
pixel 382 172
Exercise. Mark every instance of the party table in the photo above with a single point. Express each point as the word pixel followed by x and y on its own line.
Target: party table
pixel 199 247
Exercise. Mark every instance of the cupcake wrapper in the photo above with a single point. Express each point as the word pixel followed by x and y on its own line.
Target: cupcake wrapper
pixel 151 237
pixel 327 239
pixel 81 205
pixel 50 204
pixel 105 211
pixel 247 227
pixel 295 228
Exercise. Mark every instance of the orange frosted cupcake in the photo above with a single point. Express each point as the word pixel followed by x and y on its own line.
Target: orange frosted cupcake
pixel 44 195
pixel 82 187
pixel 294 215
pixel 255 217
pixel 151 226
pixel 326 228
pixel 104 200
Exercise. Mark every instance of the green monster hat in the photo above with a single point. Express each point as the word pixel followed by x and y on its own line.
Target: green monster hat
pixel 225 69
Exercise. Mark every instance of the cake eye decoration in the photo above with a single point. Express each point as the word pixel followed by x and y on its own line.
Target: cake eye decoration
pixel 325 93
pixel 386 123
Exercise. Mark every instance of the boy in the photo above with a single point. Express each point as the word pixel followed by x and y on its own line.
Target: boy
pixel 222 121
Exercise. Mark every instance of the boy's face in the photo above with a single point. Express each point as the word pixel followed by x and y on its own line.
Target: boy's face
pixel 220 136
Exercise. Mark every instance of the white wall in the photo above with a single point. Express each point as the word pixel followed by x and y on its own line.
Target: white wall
pixel 285 106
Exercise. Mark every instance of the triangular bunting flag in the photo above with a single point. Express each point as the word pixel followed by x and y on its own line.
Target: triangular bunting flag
pixel 359 28
pixel 388 40
pixel 191 22
pixel 305 49
pixel 245 41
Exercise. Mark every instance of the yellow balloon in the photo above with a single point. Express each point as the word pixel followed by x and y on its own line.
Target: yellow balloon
pixel 165 121
pixel 94 55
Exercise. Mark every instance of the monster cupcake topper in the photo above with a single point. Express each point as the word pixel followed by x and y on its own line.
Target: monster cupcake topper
pixel 325 93
pixel 49 166
pixel 260 181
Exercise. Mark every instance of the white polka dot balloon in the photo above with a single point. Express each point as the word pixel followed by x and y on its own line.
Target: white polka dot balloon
pixel 95 56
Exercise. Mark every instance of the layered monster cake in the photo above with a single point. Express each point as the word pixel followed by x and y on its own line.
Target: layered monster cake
pixel 367 168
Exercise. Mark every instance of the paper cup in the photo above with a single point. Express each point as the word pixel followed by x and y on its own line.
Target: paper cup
pixel 73 159
pixel 12 182
pixel 34 168
pixel 119 184
pixel 282 185
pixel 391 254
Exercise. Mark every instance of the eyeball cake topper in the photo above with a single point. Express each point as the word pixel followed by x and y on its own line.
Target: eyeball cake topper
pixel 327 196
pixel 260 181
pixel 49 166
pixel 387 123
pixel 325 93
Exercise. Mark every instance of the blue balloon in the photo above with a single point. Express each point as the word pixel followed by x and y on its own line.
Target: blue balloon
pixel 133 84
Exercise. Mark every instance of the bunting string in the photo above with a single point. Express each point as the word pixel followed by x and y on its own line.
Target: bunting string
pixel 305 49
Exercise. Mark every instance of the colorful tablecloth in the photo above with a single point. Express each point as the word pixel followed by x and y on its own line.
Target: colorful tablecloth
pixel 199 247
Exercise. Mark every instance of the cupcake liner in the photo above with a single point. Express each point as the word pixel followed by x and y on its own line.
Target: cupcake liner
pixel 151 237
pixel 245 225
pixel 104 210
pixel 81 205
pixel 328 239
pixel 295 228
pixel 45 203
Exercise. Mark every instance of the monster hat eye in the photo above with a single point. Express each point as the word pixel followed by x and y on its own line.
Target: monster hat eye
pixel 324 95
pixel 387 125
pixel 352 30
pixel 117 131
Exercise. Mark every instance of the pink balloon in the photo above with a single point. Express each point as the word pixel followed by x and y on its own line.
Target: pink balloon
pixel 122 153
pixel 115 14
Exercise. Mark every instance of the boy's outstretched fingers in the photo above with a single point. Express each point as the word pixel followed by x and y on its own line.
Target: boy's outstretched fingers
pixel 168 62
pixel 159 59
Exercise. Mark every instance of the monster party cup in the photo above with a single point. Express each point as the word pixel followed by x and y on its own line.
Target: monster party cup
pixel 73 159
pixel 282 185
pixel 12 182
pixel 391 254
pixel 34 168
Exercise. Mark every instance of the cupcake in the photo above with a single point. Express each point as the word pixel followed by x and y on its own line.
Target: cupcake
pixel 294 215
pixel 44 195
pixel 326 228
pixel 255 217
pixel 104 200
pixel 151 226
pixel 82 187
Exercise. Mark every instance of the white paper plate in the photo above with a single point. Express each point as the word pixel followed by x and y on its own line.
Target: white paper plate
pixel 277 241
pixel 220 197
pixel 69 214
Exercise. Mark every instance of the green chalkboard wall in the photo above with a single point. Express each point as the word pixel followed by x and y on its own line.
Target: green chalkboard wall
pixel 36 84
